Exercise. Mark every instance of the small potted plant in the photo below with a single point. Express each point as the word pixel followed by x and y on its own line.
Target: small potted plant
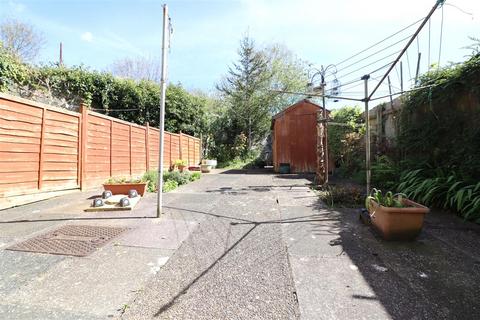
pixel 123 185
pixel 180 164
pixel 395 216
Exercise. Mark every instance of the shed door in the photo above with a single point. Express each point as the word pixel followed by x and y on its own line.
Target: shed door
pixel 303 143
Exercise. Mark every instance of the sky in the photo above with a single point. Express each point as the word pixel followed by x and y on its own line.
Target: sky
pixel 207 33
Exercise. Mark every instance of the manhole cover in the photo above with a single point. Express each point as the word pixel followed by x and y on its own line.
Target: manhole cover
pixel 70 240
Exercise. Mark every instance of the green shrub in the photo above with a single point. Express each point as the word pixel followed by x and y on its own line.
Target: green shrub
pixel 195 176
pixel 169 185
pixel 151 177
pixel 442 190
pixel 180 177
pixel 343 196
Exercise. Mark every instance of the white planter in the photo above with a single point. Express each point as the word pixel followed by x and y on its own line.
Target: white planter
pixel 212 163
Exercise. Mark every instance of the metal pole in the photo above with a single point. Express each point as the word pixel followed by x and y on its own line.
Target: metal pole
pixel 418 67
pixel 427 18
pixel 390 91
pixel 367 133
pixel 401 76
pixel 325 145
pixel 162 111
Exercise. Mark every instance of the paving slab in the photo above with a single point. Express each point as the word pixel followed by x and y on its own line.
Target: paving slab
pixel 99 284
pixel 165 234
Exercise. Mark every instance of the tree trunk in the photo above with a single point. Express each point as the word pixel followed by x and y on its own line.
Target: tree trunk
pixel 250 143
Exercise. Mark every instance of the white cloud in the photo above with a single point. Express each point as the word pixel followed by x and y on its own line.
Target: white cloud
pixel 17 6
pixel 87 36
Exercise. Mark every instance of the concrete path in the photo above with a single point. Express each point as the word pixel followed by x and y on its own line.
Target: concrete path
pixel 98 286
pixel 239 246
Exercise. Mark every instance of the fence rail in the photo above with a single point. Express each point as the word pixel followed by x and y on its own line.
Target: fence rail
pixel 44 148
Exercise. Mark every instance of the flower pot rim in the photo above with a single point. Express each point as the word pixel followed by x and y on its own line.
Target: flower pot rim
pixel 125 183
pixel 414 208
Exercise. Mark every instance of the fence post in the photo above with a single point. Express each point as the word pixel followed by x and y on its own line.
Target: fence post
pixel 170 147
pixel 130 145
pixel 200 149
pixel 188 151
pixel 42 144
pixel 111 148
pixel 180 155
pixel 147 150
pixel 84 124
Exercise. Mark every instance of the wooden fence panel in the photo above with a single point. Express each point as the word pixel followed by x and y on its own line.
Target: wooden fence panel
pixel 59 154
pixel 20 137
pixel 97 159
pixel 43 148
pixel 138 150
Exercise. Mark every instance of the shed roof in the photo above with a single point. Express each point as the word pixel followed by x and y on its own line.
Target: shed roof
pixel 295 105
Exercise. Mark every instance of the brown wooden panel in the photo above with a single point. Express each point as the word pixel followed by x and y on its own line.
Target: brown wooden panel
pixel 97 152
pixel 59 175
pixel 12 177
pixel 99 159
pixel 96 130
pixel 99 139
pixel 62 117
pixel 60 124
pixel 59 150
pixel 98 146
pixel 19 117
pixel 61 143
pixel 15 188
pixel 20 166
pixel 59 184
pixel 14 156
pixel 61 130
pixel 19 139
pixel 52 157
pixel 103 167
pixel 19 133
pixel 59 166
pixel 18 147
pixel 15 125
pixel 98 120
pixel 55 136
pixel 20 108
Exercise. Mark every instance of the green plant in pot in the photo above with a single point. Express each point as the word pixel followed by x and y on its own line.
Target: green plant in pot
pixel 180 164
pixel 395 216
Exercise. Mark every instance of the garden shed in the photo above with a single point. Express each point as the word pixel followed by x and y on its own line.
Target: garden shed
pixel 295 137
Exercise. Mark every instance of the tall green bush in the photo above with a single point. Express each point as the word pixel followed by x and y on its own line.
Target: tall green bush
pixel 126 99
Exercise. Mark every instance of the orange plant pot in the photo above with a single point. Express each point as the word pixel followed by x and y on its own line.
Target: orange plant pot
pixel 398 223
pixel 123 188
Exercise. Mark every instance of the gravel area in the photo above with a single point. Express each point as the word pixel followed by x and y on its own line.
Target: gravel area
pixel 233 266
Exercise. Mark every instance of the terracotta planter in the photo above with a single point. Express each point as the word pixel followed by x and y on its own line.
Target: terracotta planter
pixel 181 168
pixel 123 188
pixel 398 223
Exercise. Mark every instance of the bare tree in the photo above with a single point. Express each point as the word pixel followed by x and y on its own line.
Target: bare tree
pixel 138 68
pixel 21 39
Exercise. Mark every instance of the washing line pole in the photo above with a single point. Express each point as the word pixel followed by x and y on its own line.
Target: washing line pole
pixel 162 111
pixel 427 18
pixel 367 133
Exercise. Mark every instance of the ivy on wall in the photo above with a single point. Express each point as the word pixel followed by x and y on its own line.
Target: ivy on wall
pixel 439 125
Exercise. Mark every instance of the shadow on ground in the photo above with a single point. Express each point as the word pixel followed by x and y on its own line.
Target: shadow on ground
pixel 434 277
